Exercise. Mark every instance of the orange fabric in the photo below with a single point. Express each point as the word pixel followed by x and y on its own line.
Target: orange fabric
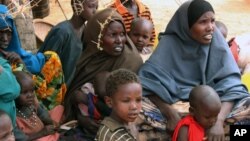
pixel 234 49
pixel 195 131
pixel 128 17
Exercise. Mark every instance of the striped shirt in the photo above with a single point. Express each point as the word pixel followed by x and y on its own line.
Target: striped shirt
pixel 143 11
pixel 111 130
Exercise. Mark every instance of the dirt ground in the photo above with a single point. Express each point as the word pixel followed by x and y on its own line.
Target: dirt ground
pixel 234 13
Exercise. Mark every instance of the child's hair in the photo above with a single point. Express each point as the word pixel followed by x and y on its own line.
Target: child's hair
pixel 140 20
pixel 120 77
pixel 202 93
pixel 21 75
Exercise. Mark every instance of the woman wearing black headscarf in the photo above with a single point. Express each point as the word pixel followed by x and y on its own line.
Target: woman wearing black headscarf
pixel 194 53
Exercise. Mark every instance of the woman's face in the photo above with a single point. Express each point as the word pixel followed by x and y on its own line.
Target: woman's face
pixel 5 37
pixel 114 38
pixel 203 28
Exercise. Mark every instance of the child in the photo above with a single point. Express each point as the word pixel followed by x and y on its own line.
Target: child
pixel 32 118
pixel 131 9
pixel 6 128
pixel 240 48
pixel 204 108
pixel 140 34
pixel 222 27
pixel 124 97
pixel 66 37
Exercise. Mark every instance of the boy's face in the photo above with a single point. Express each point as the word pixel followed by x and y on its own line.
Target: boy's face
pixel 6 129
pixel 89 9
pixel 126 102
pixel 206 116
pixel 5 37
pixel 26 97
pixel 141 35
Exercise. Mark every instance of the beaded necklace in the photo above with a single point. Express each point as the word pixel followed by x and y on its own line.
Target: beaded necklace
pixel 28 113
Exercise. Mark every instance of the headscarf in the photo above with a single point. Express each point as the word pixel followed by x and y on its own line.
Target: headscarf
pixel 180 63
pixel 93 60
pixel 196 9
pixel 33 63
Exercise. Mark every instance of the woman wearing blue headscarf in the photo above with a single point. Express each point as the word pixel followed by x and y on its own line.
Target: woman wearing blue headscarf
pixel 46 67
pixel 193 52
pixel 33 62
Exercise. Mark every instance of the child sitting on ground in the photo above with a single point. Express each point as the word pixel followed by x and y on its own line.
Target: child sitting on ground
pixel 124 95
pixel 6 128
pixel 141 34
pixel 204 108
pixel 32 118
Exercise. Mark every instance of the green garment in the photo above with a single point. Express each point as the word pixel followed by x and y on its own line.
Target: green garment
pixel 9 90
pixel 63 40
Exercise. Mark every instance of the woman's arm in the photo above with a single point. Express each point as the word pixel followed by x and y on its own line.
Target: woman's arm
pixel 167 110
pixel 216 132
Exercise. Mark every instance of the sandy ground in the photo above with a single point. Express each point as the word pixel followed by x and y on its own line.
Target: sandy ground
pixel 234 13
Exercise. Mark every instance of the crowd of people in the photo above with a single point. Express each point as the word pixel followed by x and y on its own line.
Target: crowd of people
pixel 101 69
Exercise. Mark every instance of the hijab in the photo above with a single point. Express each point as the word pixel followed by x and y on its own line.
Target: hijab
pixel 180 63
pixel 94 60
pixel 33 63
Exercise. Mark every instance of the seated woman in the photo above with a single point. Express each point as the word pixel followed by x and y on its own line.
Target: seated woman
pixel 50 86
pixel 107 48
pixel 194 53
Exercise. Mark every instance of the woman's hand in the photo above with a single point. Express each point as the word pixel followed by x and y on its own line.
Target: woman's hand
pixel 13 57
pixel 216 132
pixel 167 111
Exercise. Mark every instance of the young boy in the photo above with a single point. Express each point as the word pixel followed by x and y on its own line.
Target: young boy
pixel 6 128
pixel 131 9
pixel 204 108
pixel 124 97
pixel 140 34
pixel 66 37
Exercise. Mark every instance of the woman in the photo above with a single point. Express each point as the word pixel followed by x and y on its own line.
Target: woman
pixel 107 48
pixel 194 53
pixel 46 67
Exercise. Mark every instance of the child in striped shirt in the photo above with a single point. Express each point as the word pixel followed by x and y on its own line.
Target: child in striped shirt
pixel 124 95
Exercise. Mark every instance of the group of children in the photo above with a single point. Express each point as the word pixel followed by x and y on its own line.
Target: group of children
pixel 123 94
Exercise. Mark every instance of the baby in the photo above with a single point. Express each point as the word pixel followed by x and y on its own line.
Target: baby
pixel 141 34
pixel 204 108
